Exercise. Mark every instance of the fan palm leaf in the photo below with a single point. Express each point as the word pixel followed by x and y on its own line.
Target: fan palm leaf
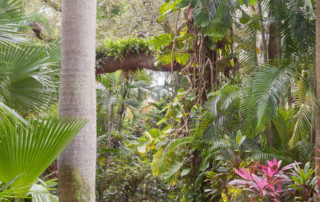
pixel 11 15
pixel 26 79
pixel 27 151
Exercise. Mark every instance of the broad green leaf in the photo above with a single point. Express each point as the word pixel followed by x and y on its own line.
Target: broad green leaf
pixel 155 165
pixel 172 168
pixel 239 137
pixel 159 42
pixel 167 8
pixel 153 133
pixel 253 2
pixel 185 172
pixel 162 121
pixel 143 144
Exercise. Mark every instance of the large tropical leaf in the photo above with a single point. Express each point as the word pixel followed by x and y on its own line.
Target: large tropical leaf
pixel 27 151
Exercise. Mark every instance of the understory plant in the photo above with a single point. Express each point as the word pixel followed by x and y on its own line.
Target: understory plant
pixel 271 182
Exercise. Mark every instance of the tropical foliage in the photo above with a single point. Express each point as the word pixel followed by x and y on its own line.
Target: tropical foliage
pixel 28 87
pixel 232 119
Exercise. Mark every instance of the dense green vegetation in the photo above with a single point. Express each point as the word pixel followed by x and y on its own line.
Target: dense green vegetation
pixel 232 117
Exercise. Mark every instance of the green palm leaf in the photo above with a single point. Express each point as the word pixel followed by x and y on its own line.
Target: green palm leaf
pixel 247 46
pixel 6 192
pixel 11 15
pixel 306 105
pixel 26 79
pixel 214 16
pixel 270 84
pixel 29 151
pixel 41 194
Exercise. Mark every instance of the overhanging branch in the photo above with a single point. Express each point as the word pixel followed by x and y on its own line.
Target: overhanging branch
pixel 111 64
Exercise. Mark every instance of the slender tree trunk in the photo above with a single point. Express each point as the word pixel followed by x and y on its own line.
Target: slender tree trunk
pixel 270 135
pixel 317 69
pixel 263 36
pixel 106 154
pixel 273 46
pixel 77 164
pixel 273 57
pixel 289 97
pixel 123 107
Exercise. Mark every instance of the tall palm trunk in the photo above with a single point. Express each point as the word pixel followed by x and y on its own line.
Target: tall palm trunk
pixel 76 165
pixel 317 69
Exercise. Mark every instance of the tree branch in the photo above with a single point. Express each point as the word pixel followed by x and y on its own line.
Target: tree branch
pixel 111 64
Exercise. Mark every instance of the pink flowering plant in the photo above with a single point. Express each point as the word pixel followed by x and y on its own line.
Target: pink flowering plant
pixel 271 182
pixel 265 182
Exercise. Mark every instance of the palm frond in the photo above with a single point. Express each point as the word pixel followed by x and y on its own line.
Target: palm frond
pixel 28 151
pixel 306 106
pixel 284 127
pixel 167 161
pixel 40 193
pixel 111 80
pixel 214 17
pixel 247 46
pixel 270 84
pixel 263 156
pixel 298 31
pixel 11 15
pixel 26 79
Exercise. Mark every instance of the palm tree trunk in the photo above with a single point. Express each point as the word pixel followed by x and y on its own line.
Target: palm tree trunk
pixel 77 164
pixel 273 57
pixel 317 135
